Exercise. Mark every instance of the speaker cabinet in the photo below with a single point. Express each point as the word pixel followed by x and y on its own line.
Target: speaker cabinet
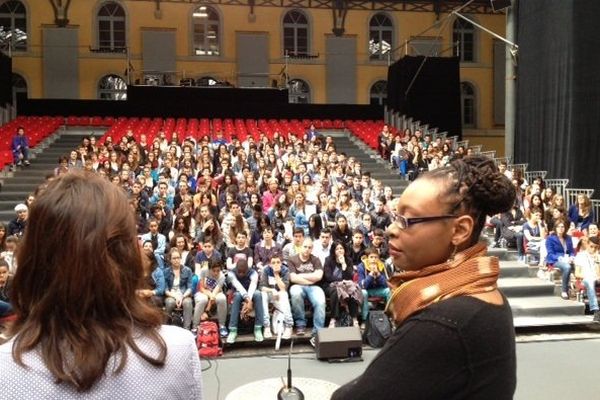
pixel 343 342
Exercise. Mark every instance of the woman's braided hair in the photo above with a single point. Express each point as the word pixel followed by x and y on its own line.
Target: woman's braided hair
pixel 475 187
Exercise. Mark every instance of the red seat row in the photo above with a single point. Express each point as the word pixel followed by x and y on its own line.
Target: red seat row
pixel 198 128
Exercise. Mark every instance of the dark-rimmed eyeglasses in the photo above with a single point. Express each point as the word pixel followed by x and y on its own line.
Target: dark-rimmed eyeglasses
pixel 403 223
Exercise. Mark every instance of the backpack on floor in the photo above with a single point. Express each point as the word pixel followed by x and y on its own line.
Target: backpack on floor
pixel 378 329
pixel 208 340
pixel 176 318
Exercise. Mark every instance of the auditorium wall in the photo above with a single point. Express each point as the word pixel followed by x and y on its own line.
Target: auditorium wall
pixel 176 16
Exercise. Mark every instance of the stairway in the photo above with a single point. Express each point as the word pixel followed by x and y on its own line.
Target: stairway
pixel 17 185
pixel 370 160
pixel 535 302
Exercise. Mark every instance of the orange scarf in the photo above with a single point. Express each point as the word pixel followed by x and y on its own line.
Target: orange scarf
pixel 470 272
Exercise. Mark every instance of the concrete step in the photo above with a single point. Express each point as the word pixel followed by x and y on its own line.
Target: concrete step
pixel 41 173
pixel 545 306
pixel 16 186
pixel 16 196
pixel 561 320
pixel 514 269
pixel 523 287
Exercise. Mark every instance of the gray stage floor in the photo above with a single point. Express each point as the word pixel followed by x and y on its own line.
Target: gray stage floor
pixel 547 370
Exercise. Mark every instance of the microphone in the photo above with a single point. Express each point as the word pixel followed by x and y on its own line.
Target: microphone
pixel 289 392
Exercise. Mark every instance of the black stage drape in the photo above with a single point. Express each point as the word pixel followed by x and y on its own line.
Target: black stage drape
pixel 558 89
pixel 5 79
pixel 434 97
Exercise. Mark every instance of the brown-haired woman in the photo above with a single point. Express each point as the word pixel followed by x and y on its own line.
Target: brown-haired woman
pixel 80 326
pixel 455 335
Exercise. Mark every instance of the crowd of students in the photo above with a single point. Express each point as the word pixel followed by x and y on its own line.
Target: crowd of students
pixel 261 230
pixel 247 232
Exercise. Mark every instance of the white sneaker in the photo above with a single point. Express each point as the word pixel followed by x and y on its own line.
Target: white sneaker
pixel 287 333
pixel 267 334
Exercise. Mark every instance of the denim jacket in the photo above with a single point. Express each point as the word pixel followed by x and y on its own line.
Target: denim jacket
pixel 185 279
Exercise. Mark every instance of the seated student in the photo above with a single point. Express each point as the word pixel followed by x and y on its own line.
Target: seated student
pixel 9 255
pixel 306 272
pixel 592 230
pixel 343 292
pixel 512 229
pixel 295 246
pixel 246 298
pixel 158 240
pixel 322 246
pixel 342 231
pixel 534 231
pixel 265 249
pixel 239 251
pixel 372 279
pixel 357 249
pixel 178 294
pixel 560 254
pixel 380 244
pixel 209 294
pixel 274 282
pixel 5 286
pixel 588 269
pixel 20 148
pixel 581 213
pixel 207 255
pixel 154 278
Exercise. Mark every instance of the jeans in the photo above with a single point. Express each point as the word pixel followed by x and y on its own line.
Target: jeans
pixel 519 240
pixel 334 303
pixel 497 228
pixel 377 292
pixel 17 155
pixel 282 304
pixel 316 297
pixel 402 165
pixel 590 286
pixel 236 307
pixel 201 301
pixel 186 304
pixel 565 269
pixel 5 308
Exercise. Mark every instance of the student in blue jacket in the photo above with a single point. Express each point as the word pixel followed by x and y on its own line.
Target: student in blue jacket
pixel 561 254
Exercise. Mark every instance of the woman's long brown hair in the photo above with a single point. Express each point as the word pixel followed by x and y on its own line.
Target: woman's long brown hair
pixel 74 290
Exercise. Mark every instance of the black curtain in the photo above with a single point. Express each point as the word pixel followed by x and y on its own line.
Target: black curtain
pixel 427 90
pixel 558 89
pixel 5 79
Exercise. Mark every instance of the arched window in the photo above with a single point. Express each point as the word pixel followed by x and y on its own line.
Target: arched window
pixel 112 87
pixel 381 31
pixel 295 33
pixel 468 102
pixel 205 21
pixel 112 30
pixel 299 91
pixel 463 37
pixel 378 93
pixel 13 25
pixel 19 85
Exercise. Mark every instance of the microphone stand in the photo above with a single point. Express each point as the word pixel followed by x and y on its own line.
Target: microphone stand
pixel 289 392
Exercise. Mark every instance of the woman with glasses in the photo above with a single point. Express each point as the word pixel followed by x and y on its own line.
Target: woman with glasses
pixel 455 336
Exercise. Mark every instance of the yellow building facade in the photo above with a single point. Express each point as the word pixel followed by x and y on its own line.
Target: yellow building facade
pixel 112 38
